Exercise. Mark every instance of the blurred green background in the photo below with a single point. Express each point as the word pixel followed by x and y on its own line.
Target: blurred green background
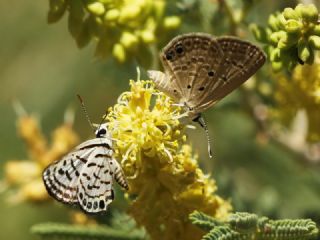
pixel 41 67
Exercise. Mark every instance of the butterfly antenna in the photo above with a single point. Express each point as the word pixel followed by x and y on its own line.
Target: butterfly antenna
pixel 102 120
pixel 200 119
pixel 85 111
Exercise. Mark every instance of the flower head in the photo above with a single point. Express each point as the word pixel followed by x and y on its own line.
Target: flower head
pixel 166 181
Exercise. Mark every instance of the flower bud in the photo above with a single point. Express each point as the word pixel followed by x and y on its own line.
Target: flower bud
pixel 128 40
pixel 147 36
pixel 171 22
pixel 96 8
pixel 275 54
pixel 308 12
pixel 303 51
pixel 119 52
pixel 316 30
pixel 289 13
pixel 112 15
pixel 315 42
pixel 259 33
pixel 277 66
pixel 274 22
pixel 293 26
pixel 276 36
pixel 129 12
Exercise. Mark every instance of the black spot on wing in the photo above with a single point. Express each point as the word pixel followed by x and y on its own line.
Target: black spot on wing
pixel 82 159
pixel 101 204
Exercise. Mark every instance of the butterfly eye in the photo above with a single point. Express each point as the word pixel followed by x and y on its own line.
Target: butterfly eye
pixel 101 132
pixel 201 88
pixel 189 86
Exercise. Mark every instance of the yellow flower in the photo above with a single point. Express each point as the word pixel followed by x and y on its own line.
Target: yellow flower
pixel 26 175
pixel 164 177
pixel 301 92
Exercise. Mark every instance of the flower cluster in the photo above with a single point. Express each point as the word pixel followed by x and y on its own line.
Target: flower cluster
pixel 26 175
pixel 300 92
pixel 291 37
pixel 164 177
pixel 122 28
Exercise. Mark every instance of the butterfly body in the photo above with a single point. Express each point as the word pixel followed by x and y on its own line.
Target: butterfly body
pixel 85 176
pixel 200 70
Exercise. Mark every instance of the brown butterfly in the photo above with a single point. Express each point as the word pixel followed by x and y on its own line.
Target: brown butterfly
pixel 200 69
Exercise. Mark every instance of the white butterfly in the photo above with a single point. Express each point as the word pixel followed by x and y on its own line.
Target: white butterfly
pixel 85 176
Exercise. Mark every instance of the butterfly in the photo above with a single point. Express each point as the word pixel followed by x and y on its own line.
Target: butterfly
pixel 200 69
pixel 85 176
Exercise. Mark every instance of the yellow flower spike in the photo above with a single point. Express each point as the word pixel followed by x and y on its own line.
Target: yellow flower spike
pixel 300 92
pixel 26 175
pixel 64 139
pixel 29 130
pixel 165 177
pixel 34 191
pixel 19 172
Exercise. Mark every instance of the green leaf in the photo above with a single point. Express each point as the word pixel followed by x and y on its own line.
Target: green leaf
pixel 76 15
pixel 56 10
pixel 67 231
pixel 203 221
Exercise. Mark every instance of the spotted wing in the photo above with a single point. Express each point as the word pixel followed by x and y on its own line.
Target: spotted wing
pixel 95 191
pixel 188 61
pixel 118 174
pixel 85 176
pixel 241 60
pixel 61 177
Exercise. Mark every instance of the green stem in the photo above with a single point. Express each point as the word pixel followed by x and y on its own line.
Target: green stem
pixel 67 231
pixel 249 102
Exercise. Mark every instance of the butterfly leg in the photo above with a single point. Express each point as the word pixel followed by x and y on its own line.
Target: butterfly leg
pixel 200 119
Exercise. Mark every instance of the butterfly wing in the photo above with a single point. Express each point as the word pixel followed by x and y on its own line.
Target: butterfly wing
pixel 61 177
pixel 118 174
pixel 241 60
pixel 187 59
pixel 85 176
pixel 165 83
pixel 95 191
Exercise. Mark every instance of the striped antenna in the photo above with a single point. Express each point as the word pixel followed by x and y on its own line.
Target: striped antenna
pixel 85 112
